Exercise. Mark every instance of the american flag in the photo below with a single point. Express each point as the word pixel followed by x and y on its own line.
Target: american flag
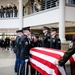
pixel 42 59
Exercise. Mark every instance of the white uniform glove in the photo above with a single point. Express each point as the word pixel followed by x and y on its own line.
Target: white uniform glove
pixel 26 60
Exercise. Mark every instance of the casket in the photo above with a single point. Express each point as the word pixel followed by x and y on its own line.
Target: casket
pixel 42 59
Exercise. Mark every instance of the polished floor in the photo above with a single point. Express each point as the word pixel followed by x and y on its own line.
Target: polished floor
pixel 7 61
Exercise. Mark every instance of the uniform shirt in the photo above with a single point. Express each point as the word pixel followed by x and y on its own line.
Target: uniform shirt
pixel 55 42
pixel 25 47
pixel 46 41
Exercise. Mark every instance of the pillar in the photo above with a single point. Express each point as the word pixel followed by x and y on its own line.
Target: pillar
pixel 64 43
pixel 20 14
pixel 62 20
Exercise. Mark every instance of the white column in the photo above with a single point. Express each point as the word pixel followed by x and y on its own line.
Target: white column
pixel 20 14
pixel 62 20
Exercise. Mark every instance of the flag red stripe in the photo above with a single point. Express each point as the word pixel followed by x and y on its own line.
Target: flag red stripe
pixel 47 63
pixel 48 53
pixel 39 69
pixel 51 54
pixel 72 65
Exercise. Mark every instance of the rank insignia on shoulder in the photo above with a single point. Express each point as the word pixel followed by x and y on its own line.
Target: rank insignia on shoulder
pixel 26 43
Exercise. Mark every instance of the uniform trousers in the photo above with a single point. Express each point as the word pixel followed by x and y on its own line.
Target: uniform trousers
pixel 23 64
pixel 17 64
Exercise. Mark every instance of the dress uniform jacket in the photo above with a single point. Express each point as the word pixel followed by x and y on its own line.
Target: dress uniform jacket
pixel 55 42
pixel 17 51
pixel 46 41
pixel 25 47
pixel 18 46
pixel 35 44
pixel 66 56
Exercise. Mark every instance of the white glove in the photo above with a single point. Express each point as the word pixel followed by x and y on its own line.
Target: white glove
pixel 26 60
pixel 56 62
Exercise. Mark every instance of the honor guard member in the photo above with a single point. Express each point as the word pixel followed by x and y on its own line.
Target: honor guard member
pixel 25 48
pixel 66 57
pixel 35 43
pixel 18 49
pixel 46 40
pixel 54 40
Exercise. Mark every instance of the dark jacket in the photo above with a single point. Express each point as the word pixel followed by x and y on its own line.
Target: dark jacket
pixel 46 41
pixel 35 44
pixel 66 56
pixel 25 47
pixel 7 42
pixel 55 42
pixel 18 46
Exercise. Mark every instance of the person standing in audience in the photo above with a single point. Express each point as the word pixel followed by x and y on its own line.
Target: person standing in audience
pixel 25 49
pixel 7 11
pixel 46 40
pixel 2 12
pixel 37 6
pixel 54 40
pixel 18 49
pixel 32 3
pixel 15 10
pixel 2 44
pixel 23 10
pixel 7 43
pixel 11 11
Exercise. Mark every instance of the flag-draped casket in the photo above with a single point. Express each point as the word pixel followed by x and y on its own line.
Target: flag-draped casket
pixel 42 59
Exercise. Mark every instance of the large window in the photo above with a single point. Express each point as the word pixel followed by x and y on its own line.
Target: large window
pixel 71 1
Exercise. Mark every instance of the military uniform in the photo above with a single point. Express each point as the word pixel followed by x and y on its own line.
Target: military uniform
pixel 24 55
pixel 17 51
pixel 35 43
pixel 25 47
pixel 67 55
pixel 54 40
pixel 46 40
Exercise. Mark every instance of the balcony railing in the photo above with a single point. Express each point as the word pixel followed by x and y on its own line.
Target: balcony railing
pixel 33 7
